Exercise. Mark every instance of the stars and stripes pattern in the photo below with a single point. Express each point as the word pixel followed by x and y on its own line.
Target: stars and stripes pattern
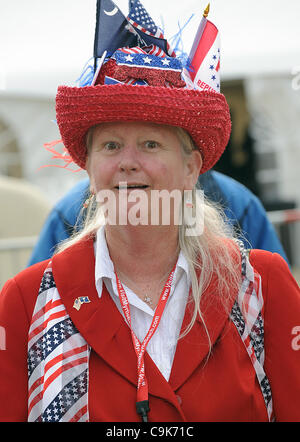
pixel 140 19
pixel 152 50
pixel 143 58
pixel 57 361
pixel 140 59
pixel 247 316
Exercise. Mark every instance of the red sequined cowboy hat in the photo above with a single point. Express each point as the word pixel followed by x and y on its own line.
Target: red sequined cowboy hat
pixel 146 83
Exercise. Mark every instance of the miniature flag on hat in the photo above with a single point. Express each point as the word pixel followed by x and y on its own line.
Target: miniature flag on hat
pixel 204 57
pixel 141 21
pixel 114 30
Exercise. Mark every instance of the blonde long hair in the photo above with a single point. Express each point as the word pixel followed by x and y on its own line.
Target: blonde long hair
pixel 213 254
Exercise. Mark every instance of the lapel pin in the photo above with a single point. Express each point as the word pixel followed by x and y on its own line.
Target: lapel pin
pixel 79 301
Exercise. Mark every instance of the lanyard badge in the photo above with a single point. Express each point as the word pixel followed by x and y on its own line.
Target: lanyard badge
pixel 142 404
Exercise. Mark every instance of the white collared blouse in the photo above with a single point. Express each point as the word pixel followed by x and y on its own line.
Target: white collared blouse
pixel 162 345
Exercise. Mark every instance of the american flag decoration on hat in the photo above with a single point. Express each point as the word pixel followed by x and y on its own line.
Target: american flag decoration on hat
pixel 142 22
pixel 57 361
pixel 114 30
pixel 204 57
pixel 141 66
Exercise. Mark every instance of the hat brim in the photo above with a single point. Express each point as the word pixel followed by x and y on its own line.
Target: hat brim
pixel 203 114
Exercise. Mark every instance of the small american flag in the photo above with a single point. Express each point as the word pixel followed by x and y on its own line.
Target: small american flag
pixel 57 361
pixel 141 21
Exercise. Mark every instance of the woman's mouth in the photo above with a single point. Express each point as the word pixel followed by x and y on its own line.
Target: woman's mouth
pixel 131 186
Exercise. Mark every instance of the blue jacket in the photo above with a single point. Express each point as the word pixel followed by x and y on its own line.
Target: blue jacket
pixel 242 208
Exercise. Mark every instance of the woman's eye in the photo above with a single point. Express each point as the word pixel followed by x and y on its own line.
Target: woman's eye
pixel 111 145
pixel 150 144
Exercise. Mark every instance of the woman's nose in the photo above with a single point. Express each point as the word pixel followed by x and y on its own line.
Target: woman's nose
pixel 129 160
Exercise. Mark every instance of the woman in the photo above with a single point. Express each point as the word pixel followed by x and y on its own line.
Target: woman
pixel 146 321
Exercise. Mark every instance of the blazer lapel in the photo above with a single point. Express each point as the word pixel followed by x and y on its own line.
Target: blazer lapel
pixel 193 349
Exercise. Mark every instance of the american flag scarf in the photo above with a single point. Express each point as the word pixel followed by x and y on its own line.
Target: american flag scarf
pixel 57 361
pixel 247 315
pixel 58 355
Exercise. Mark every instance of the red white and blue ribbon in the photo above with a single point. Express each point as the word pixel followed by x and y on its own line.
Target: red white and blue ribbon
pixel 143 66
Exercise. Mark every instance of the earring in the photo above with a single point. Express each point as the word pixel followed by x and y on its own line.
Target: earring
pixel 188 200
pixel 189 205
pixel 88 201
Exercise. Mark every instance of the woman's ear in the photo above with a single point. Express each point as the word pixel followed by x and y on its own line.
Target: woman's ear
pixel 194 165
pixel 92 184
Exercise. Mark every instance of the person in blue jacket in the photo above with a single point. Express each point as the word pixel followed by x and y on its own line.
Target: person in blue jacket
pixel 242 208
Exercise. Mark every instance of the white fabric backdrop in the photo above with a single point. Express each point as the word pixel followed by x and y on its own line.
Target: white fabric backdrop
pixel 44 43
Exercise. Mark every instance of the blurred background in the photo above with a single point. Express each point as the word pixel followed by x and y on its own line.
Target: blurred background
pixel 44 44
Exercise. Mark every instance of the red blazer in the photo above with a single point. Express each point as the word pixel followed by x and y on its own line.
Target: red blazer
pixel 222 388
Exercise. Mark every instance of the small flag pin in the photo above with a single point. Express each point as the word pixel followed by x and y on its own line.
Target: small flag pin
pixel 79 301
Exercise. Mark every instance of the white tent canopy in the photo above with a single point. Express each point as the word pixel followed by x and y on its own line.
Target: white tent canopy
pixel 46 43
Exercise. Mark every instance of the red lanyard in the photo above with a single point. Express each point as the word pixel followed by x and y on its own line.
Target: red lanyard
pixel 140 348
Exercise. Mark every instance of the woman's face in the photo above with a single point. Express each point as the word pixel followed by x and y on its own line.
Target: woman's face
pixel 145 156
